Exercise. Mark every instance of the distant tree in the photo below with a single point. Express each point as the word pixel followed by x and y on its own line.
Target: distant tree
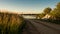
pixel 40 15
pixel 47 10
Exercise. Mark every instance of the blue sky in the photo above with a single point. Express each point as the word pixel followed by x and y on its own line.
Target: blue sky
pixel 27 6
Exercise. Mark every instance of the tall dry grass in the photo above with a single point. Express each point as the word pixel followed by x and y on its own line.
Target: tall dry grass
pixel 10 23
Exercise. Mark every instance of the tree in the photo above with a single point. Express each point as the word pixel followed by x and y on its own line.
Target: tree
pixel 40 15
pixel 47 10
pixel 58 5
pixel 56 12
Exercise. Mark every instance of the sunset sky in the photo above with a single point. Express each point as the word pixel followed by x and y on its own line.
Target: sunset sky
pixel 27 6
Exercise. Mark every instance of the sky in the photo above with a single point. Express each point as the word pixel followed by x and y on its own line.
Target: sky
pixel 27 6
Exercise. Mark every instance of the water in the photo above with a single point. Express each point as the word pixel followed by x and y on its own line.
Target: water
pixel 29 17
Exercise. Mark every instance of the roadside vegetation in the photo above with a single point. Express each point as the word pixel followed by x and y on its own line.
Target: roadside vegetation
pixel 10 23
pixel 52 16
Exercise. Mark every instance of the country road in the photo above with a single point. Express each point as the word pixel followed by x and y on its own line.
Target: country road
pixel 39 27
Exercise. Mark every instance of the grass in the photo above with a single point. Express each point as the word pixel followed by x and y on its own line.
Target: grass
pixel 10 23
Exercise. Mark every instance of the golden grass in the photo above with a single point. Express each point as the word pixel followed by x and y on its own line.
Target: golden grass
pixel 10 22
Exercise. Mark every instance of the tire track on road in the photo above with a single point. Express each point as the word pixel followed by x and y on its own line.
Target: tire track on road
pixel 39 22
pixel 30 28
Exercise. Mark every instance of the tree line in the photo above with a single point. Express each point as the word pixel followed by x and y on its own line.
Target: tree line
pixel 55 13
